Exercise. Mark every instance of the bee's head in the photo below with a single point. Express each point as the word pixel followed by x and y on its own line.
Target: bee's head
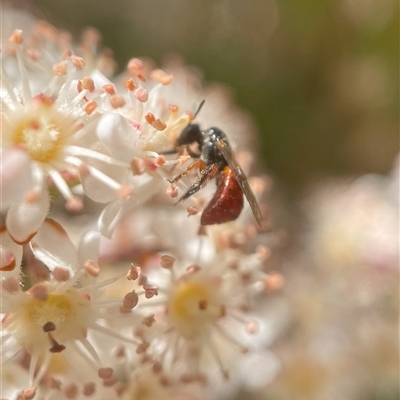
pixel 190 134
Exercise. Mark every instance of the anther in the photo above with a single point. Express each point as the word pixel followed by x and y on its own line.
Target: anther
pixel 130 301
pixel 161 76
pixel 88 84
pixel 130 85
pixel 90 107
pixel 172 191
pixel 60 68
pixel 29 394
pixel 142 279
pixel 142 347
pixel 160 160
pixel 71 391
pixel 135 65
pixel 61 274
pixel 55 346
pixel 159 124
pixel 274 281
pixel 92 268
pixel 89 389
pixel 110 382
pixel 150 118
pixel 105 373
pixel 202 305
pixel 49 327
pixel 39 292
pixel 150 291
pixel 74 204
pixel 79 62
pixel 109 88
pixel 141 94
pixel 148 321
pixel 138 166
pixel 11 284
pixel 167 261
pixel 16 36
pixel 117 101
pixel 173 108
pixel 133 273
pixel 191 210
pixel 33 54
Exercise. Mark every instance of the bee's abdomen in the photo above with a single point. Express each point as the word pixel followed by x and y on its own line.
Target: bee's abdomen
pixel 227 202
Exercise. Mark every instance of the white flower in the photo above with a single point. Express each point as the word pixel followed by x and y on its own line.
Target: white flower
pixel 58 315
pixel 195 322
pixel 47 133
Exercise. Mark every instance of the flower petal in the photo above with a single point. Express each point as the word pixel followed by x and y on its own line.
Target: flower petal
pixel 25 219
pixel 119 137
pixel 88 248
pixel 102 181
pixel 15 176
pixel 114 211
pixel 10 255
pixel 53 247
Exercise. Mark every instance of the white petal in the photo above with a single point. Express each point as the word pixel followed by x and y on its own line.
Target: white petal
pixel 116 210
pixel 259 369
pixel 53 246
pixel 88 248
pixel 102 185
pixel 109 218
pixel 15 176
pixel 10 255
pixel 25 219
pixel 119 137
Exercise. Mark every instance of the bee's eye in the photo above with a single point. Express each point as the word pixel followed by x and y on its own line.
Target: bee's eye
pixel 190 134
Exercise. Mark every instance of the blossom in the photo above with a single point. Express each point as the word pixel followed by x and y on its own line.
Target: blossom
pixel 186 310
pixel 190 328
pixel 55 315
pixel 46 130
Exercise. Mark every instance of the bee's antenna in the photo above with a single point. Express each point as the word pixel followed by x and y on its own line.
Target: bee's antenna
pixel 191 132
pixel 199 108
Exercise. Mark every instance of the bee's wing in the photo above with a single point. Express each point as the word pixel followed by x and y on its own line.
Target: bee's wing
pixel 242 179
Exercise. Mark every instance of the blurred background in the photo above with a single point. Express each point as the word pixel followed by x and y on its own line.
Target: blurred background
pixel 321 81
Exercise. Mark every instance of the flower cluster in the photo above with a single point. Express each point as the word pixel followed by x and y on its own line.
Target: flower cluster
pixel 109 289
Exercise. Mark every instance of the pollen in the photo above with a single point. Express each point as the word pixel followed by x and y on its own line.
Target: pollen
pixel 193 305
pixel 41 131
pixel 46 319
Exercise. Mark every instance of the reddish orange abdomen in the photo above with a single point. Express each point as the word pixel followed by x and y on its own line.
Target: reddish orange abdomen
pixel 227 202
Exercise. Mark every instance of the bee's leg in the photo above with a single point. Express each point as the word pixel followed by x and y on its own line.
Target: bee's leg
pixel 202 179
pixel 193 165
pixel 192 153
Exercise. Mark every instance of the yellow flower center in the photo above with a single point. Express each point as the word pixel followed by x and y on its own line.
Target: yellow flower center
pixel 185 304
pixel 40 135
pixel 41 130
pixel 193 306
pixel 57 307
pixel 58 317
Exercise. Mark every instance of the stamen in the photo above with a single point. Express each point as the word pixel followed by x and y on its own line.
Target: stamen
pixel 109 332
pixel 71 391
pixel 60 183
pixel 91 350
pixel 141 94
pixel 89 389
pixel 17 38
pixel 29 394
pixel 191 210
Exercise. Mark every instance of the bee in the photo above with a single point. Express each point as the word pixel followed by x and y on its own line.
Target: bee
pixel 216 160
